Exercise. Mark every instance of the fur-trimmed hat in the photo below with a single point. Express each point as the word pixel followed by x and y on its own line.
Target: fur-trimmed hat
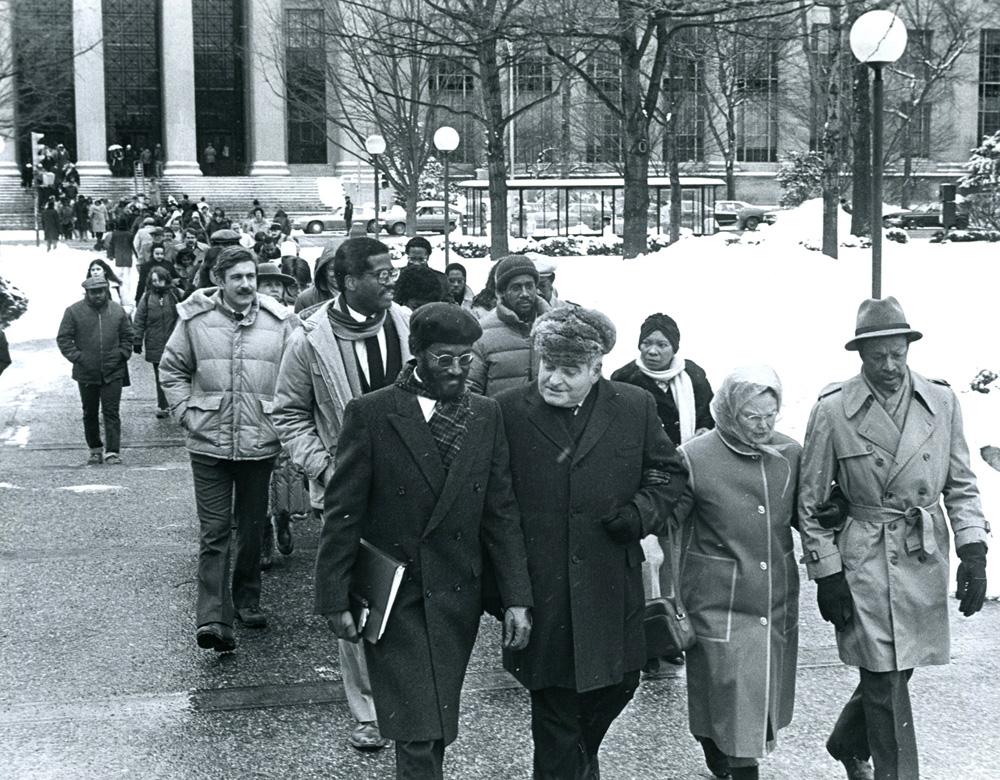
pixel 571 335
pixel 442 323
pixel 513 265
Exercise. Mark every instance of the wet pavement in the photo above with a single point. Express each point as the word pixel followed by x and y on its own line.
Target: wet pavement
pixel 101 678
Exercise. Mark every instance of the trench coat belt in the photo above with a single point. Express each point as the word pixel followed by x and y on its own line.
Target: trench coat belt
pixel 918 519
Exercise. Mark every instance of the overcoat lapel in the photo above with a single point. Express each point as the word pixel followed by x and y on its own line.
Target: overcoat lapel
pixel 416 435
pixel 543 419
pixel 918 428
pixel 458 474
pixel 877 426
pixel 604 412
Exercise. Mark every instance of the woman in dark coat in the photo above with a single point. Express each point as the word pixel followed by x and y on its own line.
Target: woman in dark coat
pixel 682 395
pixel 121 249
pixel 740 580
pixel 155 318
pixel 50 224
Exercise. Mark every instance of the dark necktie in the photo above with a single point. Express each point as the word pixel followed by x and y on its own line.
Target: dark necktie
pixel 376 368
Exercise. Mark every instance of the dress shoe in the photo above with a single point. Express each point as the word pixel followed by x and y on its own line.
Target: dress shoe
pixel 282 524
pixel 857 769
pixel 366 736
pixel 715 759
pixel 113 459
pixel 96 458
pixel 251 617
pixel 217 637
pixel 744 772
pixel 162 414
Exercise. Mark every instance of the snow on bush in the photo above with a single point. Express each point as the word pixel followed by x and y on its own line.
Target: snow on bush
pixel 962 236
pixel 13 303
pixel 898 235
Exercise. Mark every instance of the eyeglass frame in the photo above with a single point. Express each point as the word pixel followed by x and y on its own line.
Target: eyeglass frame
pixel 390 274
pixel 468 357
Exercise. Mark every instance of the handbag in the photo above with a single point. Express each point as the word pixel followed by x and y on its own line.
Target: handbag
pixel 665 621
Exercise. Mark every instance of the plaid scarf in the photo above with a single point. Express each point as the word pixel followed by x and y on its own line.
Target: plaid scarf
pixel 450 421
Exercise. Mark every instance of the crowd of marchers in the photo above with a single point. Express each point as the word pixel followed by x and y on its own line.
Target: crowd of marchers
pixel 474 439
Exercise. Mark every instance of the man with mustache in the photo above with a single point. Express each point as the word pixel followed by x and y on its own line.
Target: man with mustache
pixel 887 445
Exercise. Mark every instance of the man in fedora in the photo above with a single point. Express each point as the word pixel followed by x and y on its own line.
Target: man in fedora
pixel 887 444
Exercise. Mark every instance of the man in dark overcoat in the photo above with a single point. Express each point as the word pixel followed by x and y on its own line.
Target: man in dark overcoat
pixel 593 473
pixel 422 474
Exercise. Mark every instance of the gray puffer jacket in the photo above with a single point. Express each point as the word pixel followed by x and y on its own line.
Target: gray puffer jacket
pixel 220 373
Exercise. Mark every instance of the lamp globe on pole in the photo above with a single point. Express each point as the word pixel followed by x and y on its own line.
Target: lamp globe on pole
pixel 446 140
pixel 878 38
pixel 375 145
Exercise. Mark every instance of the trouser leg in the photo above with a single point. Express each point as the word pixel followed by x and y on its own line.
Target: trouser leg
pixel 161 397
pixel 251 479
pixel 598 710
pixel 357 684
pixel 420 760
pixel 886 700
pixel 90 398
pixel 559 750
pixel 111 399
pixel 213 493
pixel 849 738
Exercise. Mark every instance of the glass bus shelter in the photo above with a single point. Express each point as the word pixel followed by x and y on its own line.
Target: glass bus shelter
pixel 539 208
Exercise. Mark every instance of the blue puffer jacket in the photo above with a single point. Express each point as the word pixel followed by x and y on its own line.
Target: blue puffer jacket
pixel 219 374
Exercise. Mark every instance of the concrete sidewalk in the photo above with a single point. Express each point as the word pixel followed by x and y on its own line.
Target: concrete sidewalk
pixel 101 676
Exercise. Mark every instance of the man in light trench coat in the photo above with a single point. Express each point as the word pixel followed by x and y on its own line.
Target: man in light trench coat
pixel 891 444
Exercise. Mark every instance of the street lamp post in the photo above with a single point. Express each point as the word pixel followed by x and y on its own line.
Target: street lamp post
pixel 375 145
pixel 878 38
pixel 446 140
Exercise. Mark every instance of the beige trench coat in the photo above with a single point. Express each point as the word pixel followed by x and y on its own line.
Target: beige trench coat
pixel 893 546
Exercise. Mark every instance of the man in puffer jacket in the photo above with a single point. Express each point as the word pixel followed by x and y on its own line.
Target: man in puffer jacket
pixel 504 357
pixel 95 335
pixel 219 371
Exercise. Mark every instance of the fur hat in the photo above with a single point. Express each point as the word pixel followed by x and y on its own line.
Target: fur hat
pixel 663 323
pixel 513 265
pixel 571 335
pixel 442 323
pixel 881 317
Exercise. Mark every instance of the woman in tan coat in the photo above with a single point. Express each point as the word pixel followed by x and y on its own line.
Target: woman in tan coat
pixel 739 579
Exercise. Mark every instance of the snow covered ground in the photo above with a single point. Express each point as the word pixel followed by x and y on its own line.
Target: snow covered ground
pixel 764 299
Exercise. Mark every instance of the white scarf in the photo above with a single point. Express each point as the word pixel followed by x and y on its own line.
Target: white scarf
pixel 674 379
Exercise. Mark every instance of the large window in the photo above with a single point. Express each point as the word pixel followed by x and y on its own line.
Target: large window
pixel 989 82
pixel 132 72
pixel 685 91
pixel 537 134
pixel 454 87
pixel 305 85
pixel 601 126
pixel 757 85
pixel 218 84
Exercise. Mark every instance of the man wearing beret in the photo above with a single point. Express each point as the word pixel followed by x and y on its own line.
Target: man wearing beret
pixel 348 346
pixel 593 472
pixel 504 356
pixel 891 443
pixel 422 474
pixel 95 335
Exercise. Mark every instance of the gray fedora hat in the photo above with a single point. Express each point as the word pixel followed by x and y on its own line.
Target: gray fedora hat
pixel 879 317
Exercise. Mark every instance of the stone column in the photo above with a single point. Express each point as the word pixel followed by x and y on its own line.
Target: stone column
pixel 8 146
pixel 177 47
pixel 268 130
pixel 88 80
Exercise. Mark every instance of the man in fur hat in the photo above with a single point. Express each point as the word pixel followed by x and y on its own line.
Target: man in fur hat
pixel 593 473
pixel 422 473
pixel 891 442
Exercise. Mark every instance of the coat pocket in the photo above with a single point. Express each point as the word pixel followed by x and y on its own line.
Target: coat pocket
pixel 202 418
pixel 708 587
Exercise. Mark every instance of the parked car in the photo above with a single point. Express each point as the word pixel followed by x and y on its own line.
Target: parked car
pixel 333 220
pixel 925 215
pixel 430 218
pixel 742 215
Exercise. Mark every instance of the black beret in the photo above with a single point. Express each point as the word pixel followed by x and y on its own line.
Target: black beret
pixel 442 323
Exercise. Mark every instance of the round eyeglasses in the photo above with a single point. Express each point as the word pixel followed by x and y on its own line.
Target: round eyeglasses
pixel 447 361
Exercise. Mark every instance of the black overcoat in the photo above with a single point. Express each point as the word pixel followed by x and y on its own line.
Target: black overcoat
pixel 587 620
pixel 391 488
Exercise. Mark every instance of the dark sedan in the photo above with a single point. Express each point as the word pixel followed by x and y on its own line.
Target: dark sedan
pixel 927 215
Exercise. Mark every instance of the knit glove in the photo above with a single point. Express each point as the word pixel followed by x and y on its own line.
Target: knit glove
pixel 971 586
pixel 836 604
pixel 625 526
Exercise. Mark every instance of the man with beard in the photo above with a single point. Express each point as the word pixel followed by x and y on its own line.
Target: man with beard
pixel 504 357
pixel 412 479
pixel 348 346
pixel 892 444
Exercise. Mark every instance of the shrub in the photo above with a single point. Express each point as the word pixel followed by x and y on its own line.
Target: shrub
pixel 13 303
pixel 964 236
pixel 897 234
pixel 800 178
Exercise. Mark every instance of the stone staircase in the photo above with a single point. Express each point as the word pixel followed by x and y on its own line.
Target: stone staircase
pixel 235 194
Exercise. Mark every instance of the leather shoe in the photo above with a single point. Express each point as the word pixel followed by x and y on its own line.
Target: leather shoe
pixel 857 769
pixel 282 525
pixel 217 637
pixel 366 736
pixel 251 617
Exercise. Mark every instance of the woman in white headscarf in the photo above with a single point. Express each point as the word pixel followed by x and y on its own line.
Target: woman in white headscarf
pixel 739 578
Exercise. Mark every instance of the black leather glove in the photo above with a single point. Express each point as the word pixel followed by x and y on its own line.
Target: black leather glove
pixel 137 349
pixel 833 512
pixel 836 604
pixel 624 527
pixel 971 586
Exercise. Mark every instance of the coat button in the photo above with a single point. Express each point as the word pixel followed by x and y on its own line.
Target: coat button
pixel 401 490
pixel 763 565
pixel 893 526
pixel 575 559
pixel 926 456
pixel 888 496
pixel 458 588
pixel 755 457
pixel 879 461
pixel 922 557
pixel 458 536
pixel 476 487
pixel 869 448
pixel 761 510
pixel 763 621
pixel 427 594
pixel 894 559
pixel 922 491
